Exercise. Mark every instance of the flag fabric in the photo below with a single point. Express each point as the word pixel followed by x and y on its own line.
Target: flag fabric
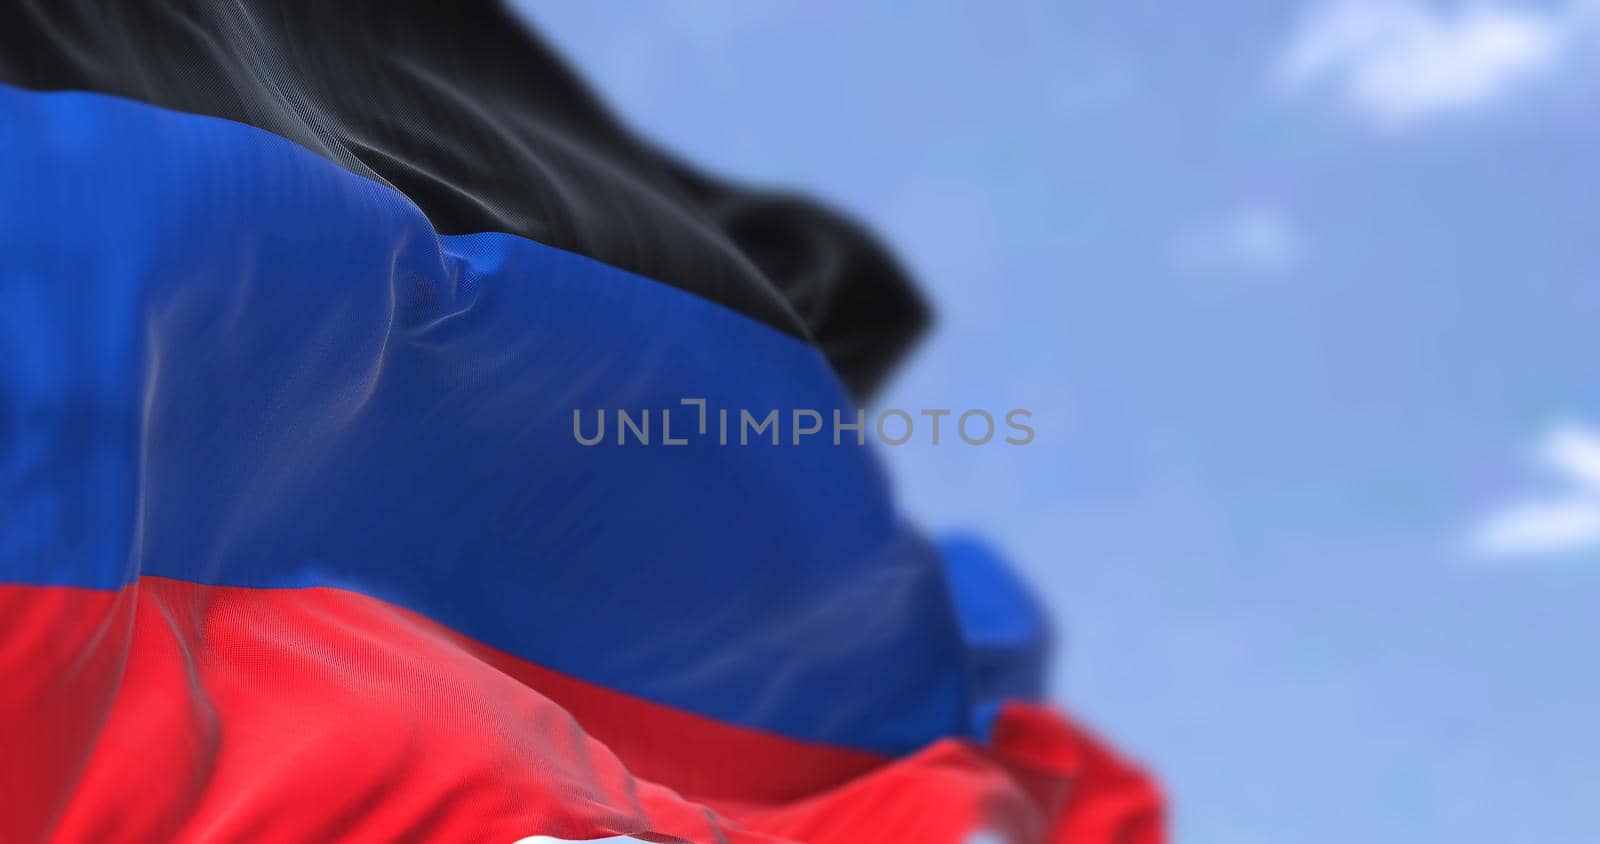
pixel 299 307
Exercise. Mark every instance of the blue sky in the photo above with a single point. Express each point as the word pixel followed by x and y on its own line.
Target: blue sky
pixel 1304 298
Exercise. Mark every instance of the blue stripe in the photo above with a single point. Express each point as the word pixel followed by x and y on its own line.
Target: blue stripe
pixel 225 359
pixel 1007 633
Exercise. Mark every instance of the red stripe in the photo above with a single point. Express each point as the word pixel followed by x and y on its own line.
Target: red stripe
pixel 172 711
pixel 1104 799
pixel 296 715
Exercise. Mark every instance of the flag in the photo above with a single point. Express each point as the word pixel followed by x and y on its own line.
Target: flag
pixel 303 308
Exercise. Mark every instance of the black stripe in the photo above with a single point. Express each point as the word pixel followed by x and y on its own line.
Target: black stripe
pixel 460 107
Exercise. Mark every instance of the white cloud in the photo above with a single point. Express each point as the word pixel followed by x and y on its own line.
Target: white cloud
pixel 1552 524
pixel 1397 62
pixel 1536 527
pixel 1574 451
pixel 1255 240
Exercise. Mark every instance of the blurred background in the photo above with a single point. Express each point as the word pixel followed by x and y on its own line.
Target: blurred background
pixel 1305 298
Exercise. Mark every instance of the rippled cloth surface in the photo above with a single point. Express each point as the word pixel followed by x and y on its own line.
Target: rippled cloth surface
pixel 296 305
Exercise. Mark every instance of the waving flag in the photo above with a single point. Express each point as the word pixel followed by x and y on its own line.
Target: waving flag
pixel 298 303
